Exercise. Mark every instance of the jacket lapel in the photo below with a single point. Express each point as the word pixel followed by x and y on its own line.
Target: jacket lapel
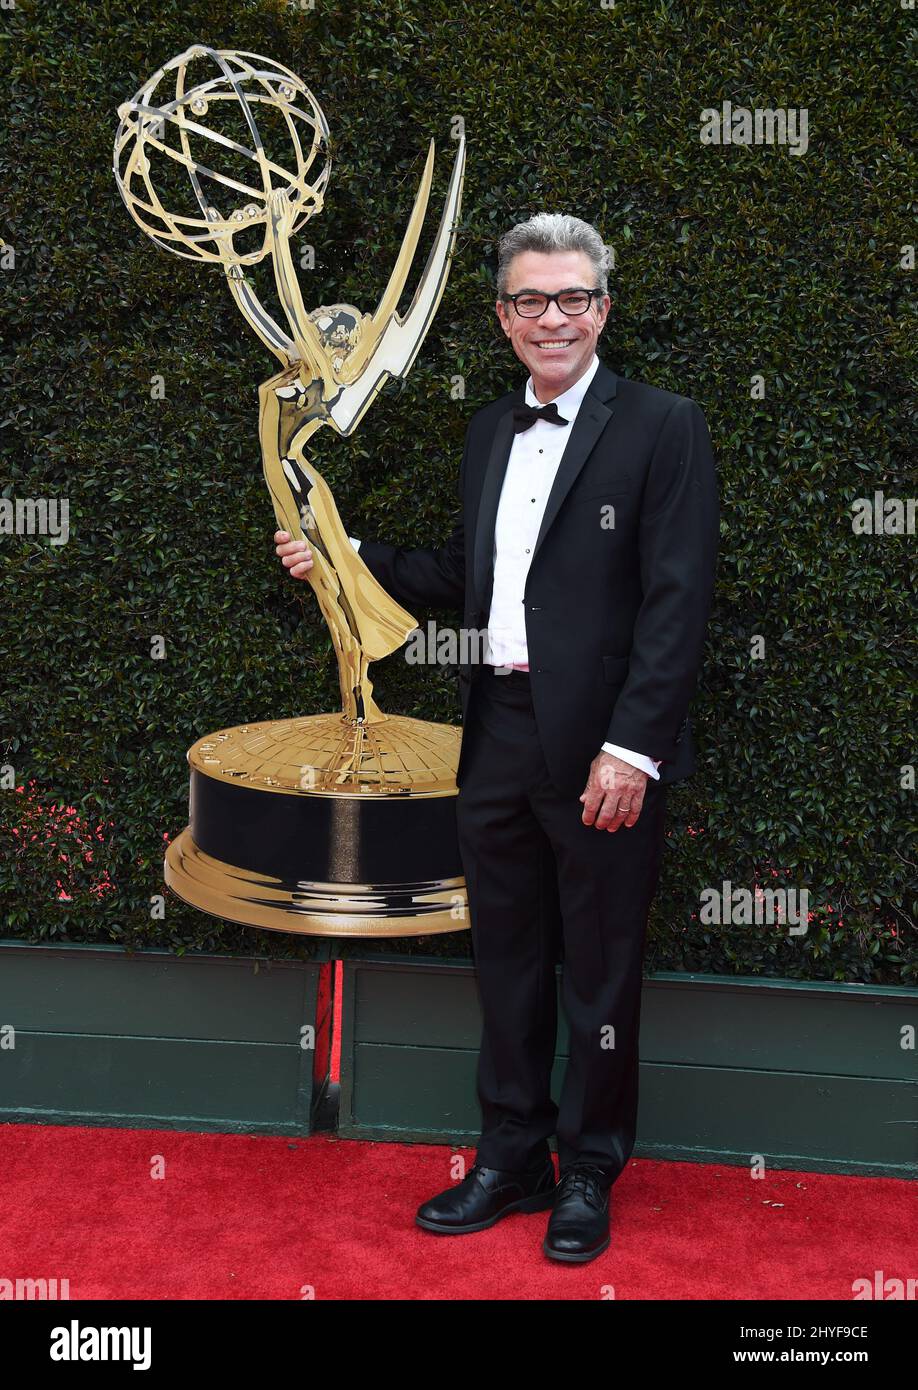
pixel 487 506
pixel 591 421
pixel 594 413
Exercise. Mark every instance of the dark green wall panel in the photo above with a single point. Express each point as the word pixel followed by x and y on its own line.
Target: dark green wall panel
pixel 685 1112
pixel 187 1042
pixel 156 1079
pixel 156 994
pixel 808 1074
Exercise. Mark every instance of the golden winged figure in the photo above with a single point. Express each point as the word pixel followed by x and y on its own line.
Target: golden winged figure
pixel 334 358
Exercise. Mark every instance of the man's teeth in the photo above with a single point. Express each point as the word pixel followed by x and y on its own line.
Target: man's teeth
pixel 555 342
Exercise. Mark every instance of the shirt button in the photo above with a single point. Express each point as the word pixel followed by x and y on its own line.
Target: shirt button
pixel 527 550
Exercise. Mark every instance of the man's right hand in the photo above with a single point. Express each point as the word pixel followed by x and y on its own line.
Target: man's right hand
pixel 296 555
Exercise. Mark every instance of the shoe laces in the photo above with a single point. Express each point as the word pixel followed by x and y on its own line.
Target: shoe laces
pixel 588 1178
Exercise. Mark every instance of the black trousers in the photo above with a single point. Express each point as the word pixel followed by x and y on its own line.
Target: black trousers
pixel 538 877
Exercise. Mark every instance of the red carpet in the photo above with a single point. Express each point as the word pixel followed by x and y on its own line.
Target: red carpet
pixel 238 1217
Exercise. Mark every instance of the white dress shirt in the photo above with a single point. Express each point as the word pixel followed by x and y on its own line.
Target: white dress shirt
pixel 534 458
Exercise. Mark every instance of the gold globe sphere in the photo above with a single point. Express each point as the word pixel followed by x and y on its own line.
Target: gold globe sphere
pixel 220 130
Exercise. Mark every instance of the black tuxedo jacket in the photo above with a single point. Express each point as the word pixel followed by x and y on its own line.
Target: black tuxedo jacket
pixel 615 616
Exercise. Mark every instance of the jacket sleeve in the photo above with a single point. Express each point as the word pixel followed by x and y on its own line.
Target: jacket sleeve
pixel 678 532
pixel 429 577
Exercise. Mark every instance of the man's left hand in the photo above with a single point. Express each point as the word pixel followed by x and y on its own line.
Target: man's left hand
pixel 614 793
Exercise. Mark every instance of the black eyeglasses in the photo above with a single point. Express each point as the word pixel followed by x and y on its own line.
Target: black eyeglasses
pixel 530 304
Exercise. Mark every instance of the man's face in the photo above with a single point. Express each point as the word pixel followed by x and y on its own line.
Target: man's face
pixel 556 347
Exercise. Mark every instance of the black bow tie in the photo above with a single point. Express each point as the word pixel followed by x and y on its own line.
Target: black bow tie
pixel 526 415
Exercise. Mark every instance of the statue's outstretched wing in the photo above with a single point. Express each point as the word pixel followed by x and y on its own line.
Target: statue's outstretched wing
pixel 389 343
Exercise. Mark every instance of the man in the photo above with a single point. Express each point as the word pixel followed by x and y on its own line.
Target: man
pixel 586 545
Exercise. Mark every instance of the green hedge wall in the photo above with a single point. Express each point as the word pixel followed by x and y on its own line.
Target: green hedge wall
pixel 731 261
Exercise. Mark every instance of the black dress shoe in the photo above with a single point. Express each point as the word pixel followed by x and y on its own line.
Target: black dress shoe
pixel 484 1196
pixel 578 1229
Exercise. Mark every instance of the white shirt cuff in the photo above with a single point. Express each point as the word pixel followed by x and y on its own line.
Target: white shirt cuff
pixel 648 765
pixel 354 543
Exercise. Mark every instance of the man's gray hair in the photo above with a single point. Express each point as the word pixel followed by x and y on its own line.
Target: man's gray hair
pixel 553 231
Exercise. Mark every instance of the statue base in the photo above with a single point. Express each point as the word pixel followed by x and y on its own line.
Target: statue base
pixel 325 827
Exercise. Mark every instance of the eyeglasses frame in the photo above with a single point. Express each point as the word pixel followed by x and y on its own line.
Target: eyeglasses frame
pixel 553 299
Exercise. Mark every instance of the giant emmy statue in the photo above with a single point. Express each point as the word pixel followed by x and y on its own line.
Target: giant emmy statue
pixel 331 824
